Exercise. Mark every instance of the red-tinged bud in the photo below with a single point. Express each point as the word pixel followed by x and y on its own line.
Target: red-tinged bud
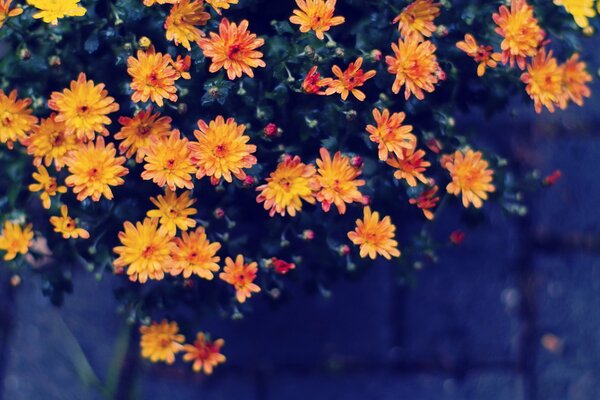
pixel 249 181
pixel 308 234
pixel 282 267
pixel 188 283
pixel 356 161
pixel 270 130
pixel 434 145
pixel 344 250
pixel 376 55
pixel 457 237
pixel 552 178
pixel 441 74
pixel 366 200
pixel 219 213
pixel 15 280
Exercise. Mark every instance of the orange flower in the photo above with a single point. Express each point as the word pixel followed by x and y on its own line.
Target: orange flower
pixel 50 142
pixel 15 118
pixel 415 65
pixel 6 12
pixel 410 166
pixel 149 3
pixel 241 276
pixel 375 236
pixel 480 53
pixel 218 4
pixel 173 212
pixel 160 342
pixel 47 185
pixel 544 80
pixel 138 132
pixel 349 80
pixel 234 49
pixel 15 239
pixel 470 175
pixel 195 254
pixel 520 30
pixel 181 24
pixel 182 66
pixel 426 200
pixel 313 83
pixel 417 19
pixel 205 353
pixel 574 81
pixel 153 77
pixel 316 15
pixel 67 226
pixel 390 134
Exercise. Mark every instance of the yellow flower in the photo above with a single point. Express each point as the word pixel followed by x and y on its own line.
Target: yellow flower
pixel 375 236
pixel 15 118
pixel 49 141
pixel 480 53
pixel 348 80
pixel 390 134
pixel 67 226
pixel 205 353
pixel 138 132
pixel 15 240
pixel 574 81
pixel 168 162
pixel 161 341
pixel 47 185
pixel 470 175
pixel 195 254
pixel 153 77
pixel 415 65
pixel 241 276
pixel 145 251
pixel 336 181
pixel 93 169
pixel 222 150
pixel 286 187
pixel 6 12
pixel 182 21
pixel 173 212
pixel 316 15
pixel 410 166
pixel 149 3
pixel 83 108
pixel 581 10
pixel 417 19
pixel 218 4
pixel 233 48
pixel 544 81
pixel 50 11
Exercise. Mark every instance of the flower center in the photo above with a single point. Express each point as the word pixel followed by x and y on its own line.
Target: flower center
pixel 220 151
pixel 233 51
pixel 148 251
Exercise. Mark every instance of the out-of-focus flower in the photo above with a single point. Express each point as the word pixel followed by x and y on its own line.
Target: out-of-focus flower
pixel 316 15
pixel 581 10
pixel 15 118
pixel 418 19
pixel 47 185
pixel 50 11
pixel 470 176
pixel 457 237
pixel 375 236
pixel 574 81
pixel 6 12
pixel 195 254
pixel 270 130
pixel 390 134
pixel 349 80
pixel 544 80
pixel 161 341
pixel 173 212
pixel 137 133
pixel 313 83
pixel 217 5
pixel 153 77
pixel 281 267
pixel 551 179
pixel 183 20
pixel 15 240
pixel 337 181
pixel 149 3
pixel 410 166
pixel 483 55
pixel 67 226
pixel 49 142
pixel 241 276
pixel 426 201
pixel 205 353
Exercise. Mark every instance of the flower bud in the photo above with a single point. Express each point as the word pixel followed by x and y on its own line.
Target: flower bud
pixel 219 213
pixel 344 250
pixel 270 130
pixel 308 234
pixel 457 237
pixel 144 42
pixel 376 55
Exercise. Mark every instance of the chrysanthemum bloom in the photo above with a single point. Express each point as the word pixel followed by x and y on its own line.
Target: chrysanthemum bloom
pixel 574 81
pixel 426 201
pixel 168 162
pixel 47 185
pixel 241 276
pixel 544 81
pixel 415 65
pixel 67 226
pixel 374 236
pixel 316 15
pixel 470 175
pixel 137 132
pixel 94 168
pixel 182 65
pixel 153 77
pixel 410 166
pixel 149 3
pixel 50 11
pixel 483 55
pixel 348 80
pixel 15 240
pixel 417 19
pixel 183 20
pixel 286 187
pixel 205 353
pixel 520 30
pixel 195 254
pixel 233 48
pixel 15 118
pixel 6 12
pixel 145 251
pixel 173 212
pixel 390 134
pixel 222 150
pixel 161 341
pixel 217 5
pixel 49 142
pixel 83 108
pixel 336 181
pixel 581 10
pixel 313 83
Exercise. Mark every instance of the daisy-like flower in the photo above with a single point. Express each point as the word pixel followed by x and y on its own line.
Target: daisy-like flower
pixel 375 236
pixel 313 83
pixel 194 254
pixel 205 353
pixel 83 108
pixel 182 65
pixel 390 135
pixel 349 80
pixel 316 15
pixel 15 240
pixel 222 150
pixel 173 212
pixel 149 3
pixel 168 162
pixel 183 20
pixel 483 55
pixel 574 81
pixel 161 341
pixel 138 132
pixel 470 175
pixel 50 11
pixel 241 276
pixel 520 30
pixel 544 79
pixel 153 77
pixel 67 226
pixel 47 185
pixel 415 65
pixel 286 187
pixel 6 12
pixel 217 5
pixel 145 251
pixel 580 10
pixel 418 19
pixel 410 166
pixel 233 48
pixel 49 142
pixel 426 201
pixel 337 181
pixel 93 169
pixel 15 118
